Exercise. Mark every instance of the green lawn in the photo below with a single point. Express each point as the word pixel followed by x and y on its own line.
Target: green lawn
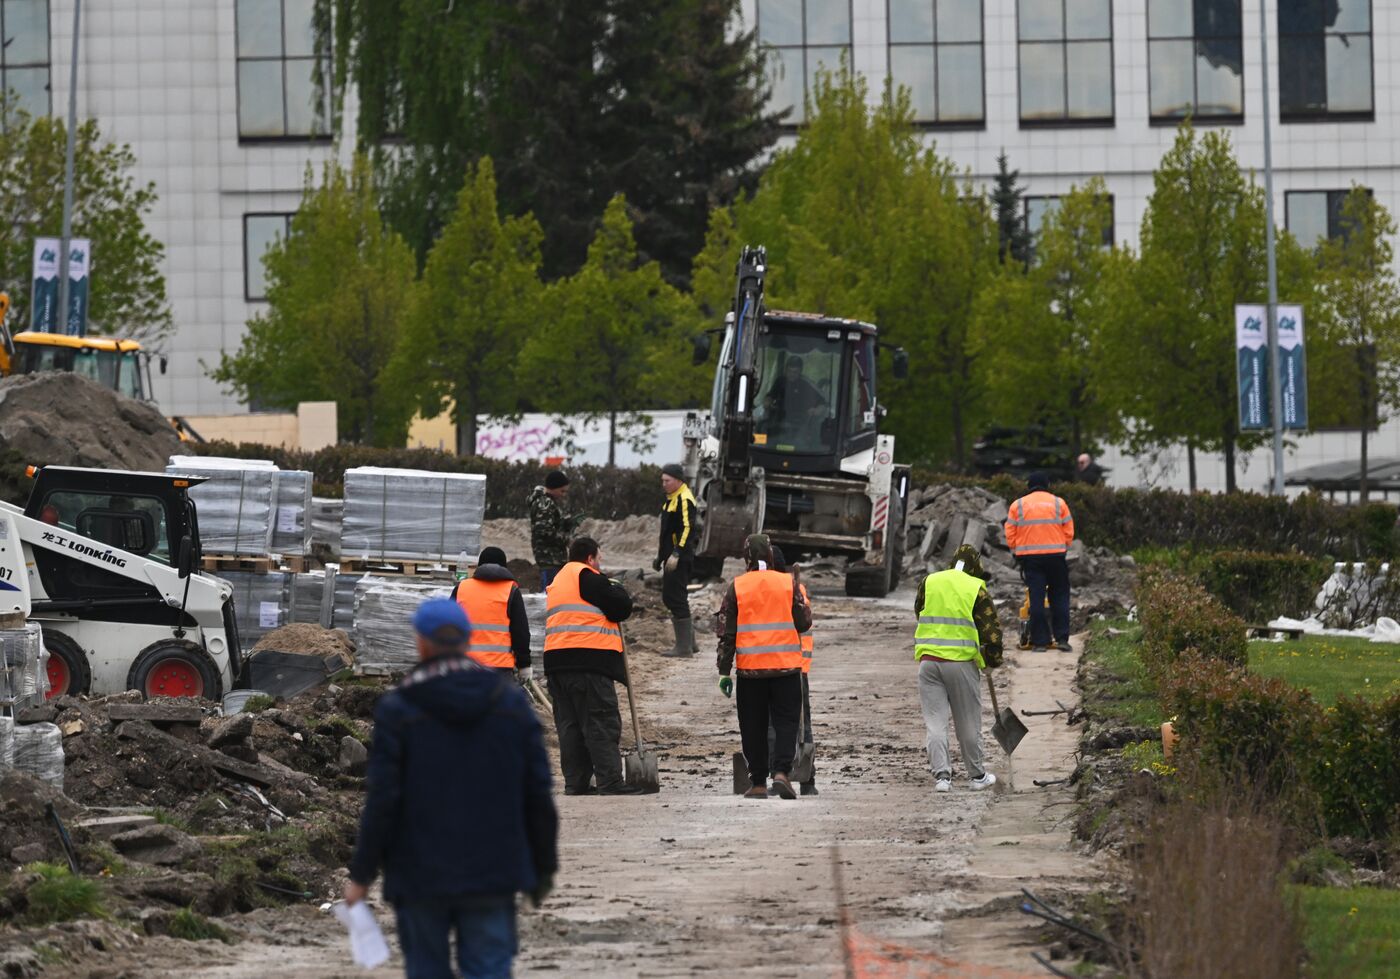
pixel 1331 665
pixel 1121 688
pixel 1352 932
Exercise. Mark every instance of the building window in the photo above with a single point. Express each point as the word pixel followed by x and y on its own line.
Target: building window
pixel 936 52
pixel 1040 209
pixel 799 37
pixel 1195 60
pixel 278 65
pixel 1066 61
pixel 24 54
pixel 260 231
pixel 1324 61
pixel 1315 216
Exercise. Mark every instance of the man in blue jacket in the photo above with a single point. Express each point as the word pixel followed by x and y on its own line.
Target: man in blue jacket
pixel 458 810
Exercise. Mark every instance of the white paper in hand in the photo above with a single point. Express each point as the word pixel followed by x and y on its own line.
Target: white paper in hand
pixel 367 944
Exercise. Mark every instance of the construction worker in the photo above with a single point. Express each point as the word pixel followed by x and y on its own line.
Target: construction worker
pixel 550 527
pixel 763 614
pixel 956 636
pixel 500 628
pixel 808 787
pixel 1039 530
pixel 676 555
pixel 582 661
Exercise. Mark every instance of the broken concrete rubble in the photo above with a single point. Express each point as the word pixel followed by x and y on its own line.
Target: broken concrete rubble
pixel 158 843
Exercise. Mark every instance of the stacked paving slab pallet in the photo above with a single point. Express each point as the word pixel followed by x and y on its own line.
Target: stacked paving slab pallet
pixel 406 518
pixel 384 641
pixel 36 749
pixel 251 514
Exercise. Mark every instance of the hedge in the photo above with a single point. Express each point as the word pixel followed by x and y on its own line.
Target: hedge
pixel 1261 586
pixel 598 491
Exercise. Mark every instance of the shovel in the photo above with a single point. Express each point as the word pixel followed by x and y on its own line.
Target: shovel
pixel 804 765
pixel 639 765
pixel 1006 726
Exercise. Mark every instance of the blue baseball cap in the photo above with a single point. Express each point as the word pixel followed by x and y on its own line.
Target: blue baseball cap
pixel 442 621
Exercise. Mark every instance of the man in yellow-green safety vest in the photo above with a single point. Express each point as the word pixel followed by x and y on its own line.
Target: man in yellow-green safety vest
pixel 957 636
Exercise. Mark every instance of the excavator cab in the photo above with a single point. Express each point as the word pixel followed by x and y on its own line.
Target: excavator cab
pixel 112 363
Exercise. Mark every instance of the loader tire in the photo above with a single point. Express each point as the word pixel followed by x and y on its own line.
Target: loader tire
pixel 68 669
pixel 175 668
pixel 865 581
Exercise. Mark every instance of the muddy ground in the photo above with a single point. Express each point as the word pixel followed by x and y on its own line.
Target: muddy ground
pixel 696 880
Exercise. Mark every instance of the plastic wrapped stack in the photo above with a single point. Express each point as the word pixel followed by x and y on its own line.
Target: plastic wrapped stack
pixel 534 612
pixel 326 517
pixel 313 597
pixel 7 743
pixel 410 515
pixel 261 600
pixel 24 676
pixel 39 752
pixel 384 607
pixel 248 507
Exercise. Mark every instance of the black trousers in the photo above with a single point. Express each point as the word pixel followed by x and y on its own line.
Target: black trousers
pixel 1048 572
pixel 778 700
pixel 673 587
pixel 806 725
pixel 589 726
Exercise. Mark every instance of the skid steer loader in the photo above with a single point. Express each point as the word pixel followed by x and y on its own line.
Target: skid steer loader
pixel 105 561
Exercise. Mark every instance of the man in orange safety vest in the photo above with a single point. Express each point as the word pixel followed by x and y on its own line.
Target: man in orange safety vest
pixel 1039 530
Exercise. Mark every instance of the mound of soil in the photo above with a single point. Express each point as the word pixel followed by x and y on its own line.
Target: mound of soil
pixel 310 640
pixel 57 419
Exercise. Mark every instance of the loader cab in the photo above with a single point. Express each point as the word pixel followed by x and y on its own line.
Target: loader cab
pixel 119 365
pixel 815 401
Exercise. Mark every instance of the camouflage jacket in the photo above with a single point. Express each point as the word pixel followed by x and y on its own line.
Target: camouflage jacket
pixel 550 530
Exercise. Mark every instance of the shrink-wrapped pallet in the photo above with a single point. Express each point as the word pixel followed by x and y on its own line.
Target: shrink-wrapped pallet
pixel 534 612
pixel 326 517
pixel 24 675
pixel 291 525
pixel 7 743
pixel 260 602
pixel 313 597
pixel 237 503
pixel 410 515
pixel 39 752
pixel 383 626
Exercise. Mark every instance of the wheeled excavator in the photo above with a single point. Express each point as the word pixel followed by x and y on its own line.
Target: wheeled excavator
pixel 106 562
pixel 791 444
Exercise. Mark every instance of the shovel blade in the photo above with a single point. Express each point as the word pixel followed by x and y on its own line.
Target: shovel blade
pixel 804 765
pixel 639 768
pixel 741 774
pixel 1008 730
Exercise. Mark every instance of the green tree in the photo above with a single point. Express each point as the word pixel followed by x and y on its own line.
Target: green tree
pixel 1355 328
pixel 1008 205
pixel 126 290
pixel 1047 322
pixel 1172 340
pixel 614 337
pixel 862 221
pixel 470 314
pixel 337 291
pixel 659 100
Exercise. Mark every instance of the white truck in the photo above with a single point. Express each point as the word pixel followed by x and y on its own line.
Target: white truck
pixel 105 561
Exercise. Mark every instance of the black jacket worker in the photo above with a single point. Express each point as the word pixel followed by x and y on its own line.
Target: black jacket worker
pixel 676 554
pixel 582 661
pixel 500 626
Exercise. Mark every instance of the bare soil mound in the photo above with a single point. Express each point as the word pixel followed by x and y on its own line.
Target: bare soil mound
pixel 58 419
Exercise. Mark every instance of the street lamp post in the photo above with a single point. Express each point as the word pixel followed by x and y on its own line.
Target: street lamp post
pixel 67 234
pixel 1275 382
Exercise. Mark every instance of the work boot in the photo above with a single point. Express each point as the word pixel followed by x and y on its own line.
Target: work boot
pixel 1064 646
pixel 783 786
pixel 586 790
pixel 685 638
pixel 810 788
pixel 620 788
pixel 759 791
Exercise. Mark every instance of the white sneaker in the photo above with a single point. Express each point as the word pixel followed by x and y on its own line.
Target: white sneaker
pixel 943 785
pixel 985 782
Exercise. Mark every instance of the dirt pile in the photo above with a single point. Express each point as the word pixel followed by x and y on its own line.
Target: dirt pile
pixel 309 640
pixel 59 419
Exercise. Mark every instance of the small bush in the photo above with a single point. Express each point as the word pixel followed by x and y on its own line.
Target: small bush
pixel 1243 728
pixel 192 927
pixel 259 703
pixel 59 896
pixel 1176 615
pixel 1355 767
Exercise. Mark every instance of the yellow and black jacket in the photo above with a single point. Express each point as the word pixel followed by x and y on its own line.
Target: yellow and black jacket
pixel 677 523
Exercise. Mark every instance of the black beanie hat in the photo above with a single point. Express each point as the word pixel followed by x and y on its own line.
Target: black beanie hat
pixel 1038 481
pixel 674 470
pixel 492 555
pixel 555 480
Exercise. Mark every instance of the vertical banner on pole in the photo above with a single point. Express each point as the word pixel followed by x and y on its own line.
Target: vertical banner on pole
pixel 79 259
pixel 43 298
pixel 1293 368
pixel 1252 367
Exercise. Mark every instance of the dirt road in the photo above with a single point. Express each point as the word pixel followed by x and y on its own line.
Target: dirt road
pixel 696 880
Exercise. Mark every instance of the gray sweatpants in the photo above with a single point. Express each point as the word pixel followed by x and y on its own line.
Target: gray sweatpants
pixel 954 688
